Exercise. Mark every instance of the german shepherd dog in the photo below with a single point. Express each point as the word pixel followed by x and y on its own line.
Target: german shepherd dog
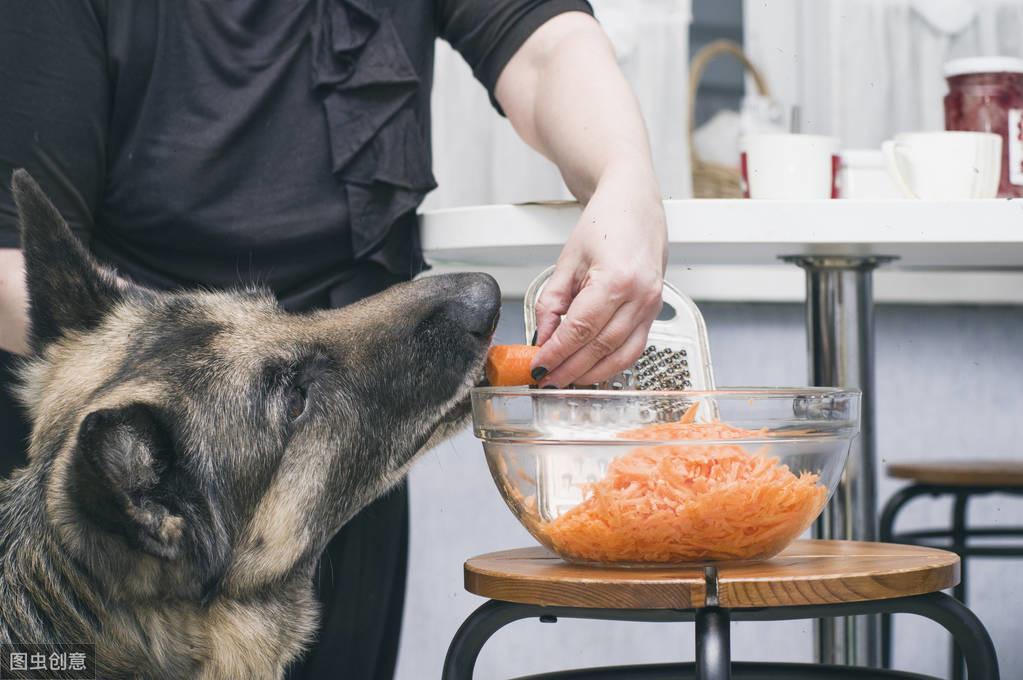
pixel 192 453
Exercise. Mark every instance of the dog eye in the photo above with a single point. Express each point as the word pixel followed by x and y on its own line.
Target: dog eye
pixel 296 402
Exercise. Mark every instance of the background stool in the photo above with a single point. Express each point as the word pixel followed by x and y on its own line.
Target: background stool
pixel 810 579
pixel 961 481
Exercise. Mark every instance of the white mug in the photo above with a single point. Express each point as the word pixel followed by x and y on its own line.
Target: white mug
pixel 945 165
pixel 789 166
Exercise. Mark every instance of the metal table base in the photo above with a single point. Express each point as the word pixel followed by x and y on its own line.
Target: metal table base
pixel 840 343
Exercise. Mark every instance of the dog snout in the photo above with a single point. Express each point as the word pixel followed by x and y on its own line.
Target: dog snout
pixel 473 301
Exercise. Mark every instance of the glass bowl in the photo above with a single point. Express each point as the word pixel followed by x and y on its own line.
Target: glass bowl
pixel 656 478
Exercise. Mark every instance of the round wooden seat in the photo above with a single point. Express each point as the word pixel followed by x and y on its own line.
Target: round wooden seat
pixel 1003 473
pixel 806 573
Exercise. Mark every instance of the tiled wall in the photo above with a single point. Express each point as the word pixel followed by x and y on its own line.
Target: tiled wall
pixel 950 384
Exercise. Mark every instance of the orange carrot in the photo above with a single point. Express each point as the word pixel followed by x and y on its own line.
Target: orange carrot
pixel 685 503
pixel 690 415
pixel 508 365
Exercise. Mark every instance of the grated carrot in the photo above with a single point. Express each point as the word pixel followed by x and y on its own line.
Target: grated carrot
pixel 689 503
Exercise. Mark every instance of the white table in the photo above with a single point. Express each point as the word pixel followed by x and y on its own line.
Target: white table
pixel 837 243
pixel 980 235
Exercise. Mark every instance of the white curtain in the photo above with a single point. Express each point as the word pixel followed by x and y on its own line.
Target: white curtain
pixel 864 70
pixel 479 159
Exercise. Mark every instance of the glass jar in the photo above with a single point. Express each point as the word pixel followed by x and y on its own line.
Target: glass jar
pixel 985 94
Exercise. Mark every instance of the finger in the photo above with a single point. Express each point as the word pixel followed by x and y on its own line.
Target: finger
pixel 621 359
pixel 608 341
pixel 627 354
pixel 589 313
pixel 554 300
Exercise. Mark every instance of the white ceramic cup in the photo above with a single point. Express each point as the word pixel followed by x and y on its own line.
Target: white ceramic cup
pixel 945 165
pixel 789 166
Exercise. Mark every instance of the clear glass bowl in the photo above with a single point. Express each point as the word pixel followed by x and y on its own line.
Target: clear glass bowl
pixel 607 477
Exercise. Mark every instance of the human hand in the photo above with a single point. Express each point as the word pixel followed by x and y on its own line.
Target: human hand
pixel 607 283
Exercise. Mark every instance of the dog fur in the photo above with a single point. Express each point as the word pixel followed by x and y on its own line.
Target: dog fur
pixel 192 453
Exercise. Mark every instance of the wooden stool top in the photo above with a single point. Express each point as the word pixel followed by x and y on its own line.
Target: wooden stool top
pixel 807 572
pixel 962 472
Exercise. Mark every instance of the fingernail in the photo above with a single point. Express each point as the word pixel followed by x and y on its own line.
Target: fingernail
pixel 535 334
pixel 538 373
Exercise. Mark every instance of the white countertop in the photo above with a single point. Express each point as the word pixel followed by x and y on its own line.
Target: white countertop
pixel 954 251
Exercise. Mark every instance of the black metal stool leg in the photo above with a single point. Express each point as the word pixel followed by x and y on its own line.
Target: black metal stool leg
pixel 713 644
pixel 474 632
pixel 950 613
pixel 886 525
pixel 967 630
pixel 886 533
pixel 713 655
pixel 959 538
pixel 886 640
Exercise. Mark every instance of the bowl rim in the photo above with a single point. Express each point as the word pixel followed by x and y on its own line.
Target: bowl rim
pixel 723 392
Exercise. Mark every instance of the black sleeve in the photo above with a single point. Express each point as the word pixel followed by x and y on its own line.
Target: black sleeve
pixel 487 33
pixel 53 107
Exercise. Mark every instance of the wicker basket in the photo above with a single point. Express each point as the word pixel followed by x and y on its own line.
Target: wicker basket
pixel 714 180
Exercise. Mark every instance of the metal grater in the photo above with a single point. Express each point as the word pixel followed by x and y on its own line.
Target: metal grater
pixel 677 358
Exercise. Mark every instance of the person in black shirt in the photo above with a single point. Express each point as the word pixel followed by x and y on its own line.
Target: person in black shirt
pixel 286 143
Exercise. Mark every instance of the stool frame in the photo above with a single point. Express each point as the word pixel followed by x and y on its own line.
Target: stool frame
pixel 954 539
pixel 713 651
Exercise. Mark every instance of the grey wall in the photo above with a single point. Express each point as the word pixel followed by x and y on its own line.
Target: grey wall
pixel 950 384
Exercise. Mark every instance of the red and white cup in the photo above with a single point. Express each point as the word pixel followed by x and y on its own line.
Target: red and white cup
pixel 779 166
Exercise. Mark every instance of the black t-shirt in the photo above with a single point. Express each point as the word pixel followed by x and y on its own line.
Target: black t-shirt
pixel 277 142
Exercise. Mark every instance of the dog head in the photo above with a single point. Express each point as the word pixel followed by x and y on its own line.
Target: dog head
pixel 202 442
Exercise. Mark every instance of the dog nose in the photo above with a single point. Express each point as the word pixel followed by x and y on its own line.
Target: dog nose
pixel 475 303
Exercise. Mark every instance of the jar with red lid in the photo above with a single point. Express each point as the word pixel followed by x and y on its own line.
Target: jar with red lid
pixel 985 94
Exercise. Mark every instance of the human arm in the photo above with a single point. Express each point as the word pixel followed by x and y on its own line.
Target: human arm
pixel 13 302
pixel 566 96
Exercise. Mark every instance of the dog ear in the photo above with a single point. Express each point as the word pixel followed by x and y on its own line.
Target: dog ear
pixel 122 464
pixel 67 288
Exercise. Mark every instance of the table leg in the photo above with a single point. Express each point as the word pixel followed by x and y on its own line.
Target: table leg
pixel 840 339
